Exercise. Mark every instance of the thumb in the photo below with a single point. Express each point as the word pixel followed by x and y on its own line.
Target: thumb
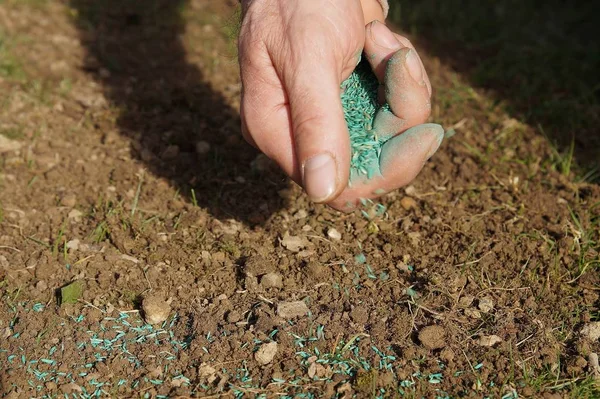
pixel 319 130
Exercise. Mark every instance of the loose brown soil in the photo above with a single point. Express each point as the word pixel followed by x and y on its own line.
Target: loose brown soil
pixel 133 180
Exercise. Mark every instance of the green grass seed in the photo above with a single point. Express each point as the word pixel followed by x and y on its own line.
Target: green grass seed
pixel 359 100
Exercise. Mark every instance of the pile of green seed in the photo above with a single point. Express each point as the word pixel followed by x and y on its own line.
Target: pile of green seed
pixel 359 100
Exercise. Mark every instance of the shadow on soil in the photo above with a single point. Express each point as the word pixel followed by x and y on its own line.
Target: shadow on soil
pixel 166 107
pixel 540 58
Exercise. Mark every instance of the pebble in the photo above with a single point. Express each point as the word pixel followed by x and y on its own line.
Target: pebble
pixel 271 280
pixel 488 340
pixel 265 354
pixel 293 243
pixel 7 332
pixel 408 203
pixel 234 316
pixel 41 286
pixel 290 310
pixel 156 310
pixel 334 234
pixel 207 372
pixel 75 215
pixel 69 200
pixel 7 145
pixel 486 305
pixel 433 337
pixel 594 365
pixel 301 214
pixel 73 244
pixel 591 331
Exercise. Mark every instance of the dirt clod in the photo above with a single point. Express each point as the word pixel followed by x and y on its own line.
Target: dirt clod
pixel 266 353
pixel 271 280
pixel 488 340
pixel 486 305
pixel 290 310
pixel 408 203
pixel 433 337
pixel 7 145
pixel 591 331
pixel 156 309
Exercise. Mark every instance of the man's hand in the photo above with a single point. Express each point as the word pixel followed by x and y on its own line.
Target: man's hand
pixel 293 58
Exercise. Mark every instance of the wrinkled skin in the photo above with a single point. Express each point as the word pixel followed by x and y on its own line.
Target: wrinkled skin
pixel 293 58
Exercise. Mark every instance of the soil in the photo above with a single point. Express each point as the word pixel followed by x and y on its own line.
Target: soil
pixel 133 180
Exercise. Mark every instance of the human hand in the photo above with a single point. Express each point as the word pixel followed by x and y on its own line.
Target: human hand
pixel 293 58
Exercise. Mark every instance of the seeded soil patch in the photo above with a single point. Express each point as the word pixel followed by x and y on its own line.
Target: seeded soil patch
pixel 124 172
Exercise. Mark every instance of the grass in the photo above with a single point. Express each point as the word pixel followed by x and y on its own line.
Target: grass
pixel 539 60
pixel 10 67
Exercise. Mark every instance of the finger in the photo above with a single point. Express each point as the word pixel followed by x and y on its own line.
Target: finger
pixel 407 43
pixel 402 158
pixel 405 88
pixel 380 45
pixel 320 134
pixel 399 69
pixel 265 115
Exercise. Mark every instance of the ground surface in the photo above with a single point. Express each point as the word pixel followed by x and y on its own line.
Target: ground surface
pixel 130 180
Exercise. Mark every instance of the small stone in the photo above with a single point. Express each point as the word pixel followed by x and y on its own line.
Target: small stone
pixel 265 354
pixel 271 280
pixel 290 310
pixel 41 286
pixel 312 370
pixel 69 200
pixel 334 234
pixel 156 310
pixel 73 244
pixel 51 386
pixel 202 147
pixel 234 316
pixel 301 214
pixel 207 373
pixel 293 243
pixel 7 332
pixel 465 301
pixel 408 203
pixel 7 145
pixel 486 305
pixel 75 215
pixel 488 340
pixel 433 337
pixel 591 331
pixel 473 313
pixel 594 365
